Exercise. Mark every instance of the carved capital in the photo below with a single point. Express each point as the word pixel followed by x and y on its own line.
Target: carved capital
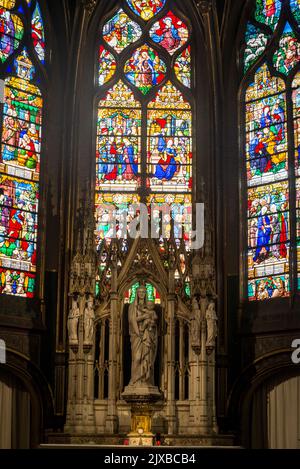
pixel 89 5
pixel 204 6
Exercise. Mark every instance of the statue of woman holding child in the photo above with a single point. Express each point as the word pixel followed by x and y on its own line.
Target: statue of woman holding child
pixel 143 336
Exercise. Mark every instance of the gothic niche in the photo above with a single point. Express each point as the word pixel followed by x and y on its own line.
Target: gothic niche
pixel 142 315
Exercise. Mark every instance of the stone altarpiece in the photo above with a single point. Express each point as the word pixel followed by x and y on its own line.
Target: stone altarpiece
pixel 185 362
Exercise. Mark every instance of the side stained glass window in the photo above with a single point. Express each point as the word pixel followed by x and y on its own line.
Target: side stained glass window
pixel 37 33
pixel 144 130
pixel 19 159
pixel 296 111
pixel 271 126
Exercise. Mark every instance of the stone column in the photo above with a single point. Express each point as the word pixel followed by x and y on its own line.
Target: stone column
pixel 193 382
pixel 203 403
pixel 171 405
pixel 102 359
pixel 112 417
pixel 71 390
pixel 181 360
pixel 212 389
pixel 80 413
pixel 199 408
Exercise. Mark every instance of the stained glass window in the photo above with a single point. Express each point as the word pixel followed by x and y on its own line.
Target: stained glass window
pixel 268 12
pixel 107 65
pixel 295 8
pixel 146 9
pixel 12 29
pixel 145 69
pixel 38 35
pixel 152 293
pixel 256 41
pixel 120 31
pixel 19 160
pixel 144 131
pixel 169 142
pixel 170 32
pixel 271 111
pixel 182 67
pixel 296 109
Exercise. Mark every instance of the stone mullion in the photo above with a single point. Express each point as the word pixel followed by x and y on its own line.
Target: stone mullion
pixel 181 360
pixel 102 359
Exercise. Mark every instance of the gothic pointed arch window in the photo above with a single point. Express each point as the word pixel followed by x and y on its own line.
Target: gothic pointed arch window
pixel 271 152
pixel 144 128
pixel 22 55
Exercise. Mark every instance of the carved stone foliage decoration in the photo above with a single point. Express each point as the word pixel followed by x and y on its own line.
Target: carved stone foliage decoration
pixel 83 268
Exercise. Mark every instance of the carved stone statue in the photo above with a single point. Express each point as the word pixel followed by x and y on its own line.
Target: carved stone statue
pixel 196 327
pixel 212 327
pixel 89 316
pixel 73 320
pixel 143 336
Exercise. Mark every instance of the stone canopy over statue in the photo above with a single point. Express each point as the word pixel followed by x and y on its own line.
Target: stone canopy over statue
pixel 143 332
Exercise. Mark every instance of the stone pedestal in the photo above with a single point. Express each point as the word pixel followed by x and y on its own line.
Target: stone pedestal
pixel 141 398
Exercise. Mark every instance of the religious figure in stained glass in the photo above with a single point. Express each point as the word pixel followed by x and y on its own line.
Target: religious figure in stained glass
pixel 266 149
pixel 288 54
pixel 118 141
pixel 113 212
pixel 121 31
pixel 296 109
pixel 146 9
pixel 170 32
pixel 11 30
pixel 38 34
pixel 157 170
pixel 19 191
pixel 182 67
pixel 269 125
pixel 268 12
pixel 22 121
pixel 169 143
pixel 145 69
pixel 176 207
pixel 107 66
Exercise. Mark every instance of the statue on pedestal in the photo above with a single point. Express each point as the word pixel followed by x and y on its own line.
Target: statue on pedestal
pixel 212 327
pixel 141 392
pixel 143 336
pixel 73 320
pixel 89 316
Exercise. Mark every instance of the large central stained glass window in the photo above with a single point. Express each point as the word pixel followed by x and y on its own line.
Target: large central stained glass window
pixel 144 127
